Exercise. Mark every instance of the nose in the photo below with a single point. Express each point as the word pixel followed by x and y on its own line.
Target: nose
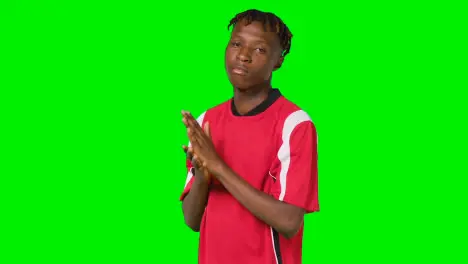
pixel 244 55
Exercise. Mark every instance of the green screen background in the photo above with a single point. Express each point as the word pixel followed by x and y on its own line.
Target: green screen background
pixel 91 94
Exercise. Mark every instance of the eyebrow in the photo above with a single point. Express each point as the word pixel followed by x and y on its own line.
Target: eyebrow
pixel 257 40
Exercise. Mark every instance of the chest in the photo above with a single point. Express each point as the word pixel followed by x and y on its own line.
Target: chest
pixel 249 149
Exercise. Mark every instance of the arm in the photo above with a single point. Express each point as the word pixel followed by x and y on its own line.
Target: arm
pixel 195 195
pixel 295 191
pixel 284 218
pixel 194 203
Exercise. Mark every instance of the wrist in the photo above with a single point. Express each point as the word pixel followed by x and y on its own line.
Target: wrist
pixel 200 177
pixel 201 182
pixel 219 168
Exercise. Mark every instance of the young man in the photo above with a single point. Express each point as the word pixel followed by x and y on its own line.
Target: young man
pixel 252 168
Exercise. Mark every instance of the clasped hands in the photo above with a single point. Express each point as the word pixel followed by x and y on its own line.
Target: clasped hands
pixel 202 151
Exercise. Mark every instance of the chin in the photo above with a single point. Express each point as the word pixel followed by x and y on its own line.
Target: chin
pixel 240 83
pixel 242 86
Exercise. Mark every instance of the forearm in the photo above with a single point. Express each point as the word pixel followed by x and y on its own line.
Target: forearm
pixel 284 218
pixel 194 203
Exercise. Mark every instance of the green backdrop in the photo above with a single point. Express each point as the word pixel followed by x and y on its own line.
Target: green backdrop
pixel 92 132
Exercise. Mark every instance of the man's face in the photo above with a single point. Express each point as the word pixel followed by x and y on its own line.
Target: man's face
pixel 252 55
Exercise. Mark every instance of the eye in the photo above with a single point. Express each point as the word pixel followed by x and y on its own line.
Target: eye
pixel 235 44
pixel 261 50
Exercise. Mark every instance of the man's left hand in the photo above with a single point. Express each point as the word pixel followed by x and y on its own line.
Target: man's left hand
pixel 203 147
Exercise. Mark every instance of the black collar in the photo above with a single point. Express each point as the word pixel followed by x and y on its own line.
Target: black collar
pixel 273 95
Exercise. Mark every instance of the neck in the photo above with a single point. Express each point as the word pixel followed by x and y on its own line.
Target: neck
pixel 246 100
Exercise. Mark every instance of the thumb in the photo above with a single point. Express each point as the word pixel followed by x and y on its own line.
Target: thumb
pixel 206 173
pixel 207 129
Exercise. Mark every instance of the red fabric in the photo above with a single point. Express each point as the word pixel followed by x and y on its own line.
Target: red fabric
pixel 258 149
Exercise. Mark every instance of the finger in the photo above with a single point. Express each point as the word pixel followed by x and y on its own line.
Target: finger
pixel 188 119
pixel 195 126
pixel 203 165
pixel 198 164
pixel 190 153
pixel 186 151
pixel 188 116
pixel 191 120
pixel 185 121
pixel 186 113
pixel 190 132
pixel 192 123
pixel 190 156
pixel 192 137
pixel 206 173
pixel 201 136
pixel 184 117
pixel 207 129
pixel 196 161
pixel 195 135
pixel 195 132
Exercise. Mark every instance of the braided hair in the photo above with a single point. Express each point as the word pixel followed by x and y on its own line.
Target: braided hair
pixel 270 20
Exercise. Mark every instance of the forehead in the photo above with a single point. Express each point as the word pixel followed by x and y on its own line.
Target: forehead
pixel 255 31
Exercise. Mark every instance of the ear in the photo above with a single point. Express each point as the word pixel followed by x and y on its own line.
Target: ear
pixel 279 63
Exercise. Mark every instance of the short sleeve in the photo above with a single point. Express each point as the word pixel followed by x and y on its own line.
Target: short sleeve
pixel 189 179
pixel 295 167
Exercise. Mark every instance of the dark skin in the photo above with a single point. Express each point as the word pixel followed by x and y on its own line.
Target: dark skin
pixel 259 54
pixel 251 57
pixel 195 202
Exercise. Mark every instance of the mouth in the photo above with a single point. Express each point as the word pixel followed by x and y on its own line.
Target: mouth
pixel 240 70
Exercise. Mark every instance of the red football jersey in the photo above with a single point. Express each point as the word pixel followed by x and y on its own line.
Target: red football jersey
pixel 274 148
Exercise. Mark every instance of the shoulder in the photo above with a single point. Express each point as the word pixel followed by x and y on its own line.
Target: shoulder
pixel 291 116
pixel 295 129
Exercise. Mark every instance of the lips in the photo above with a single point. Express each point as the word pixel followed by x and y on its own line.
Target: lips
pixel 240 70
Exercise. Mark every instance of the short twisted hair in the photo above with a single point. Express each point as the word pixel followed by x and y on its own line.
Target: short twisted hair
pixel 269 20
